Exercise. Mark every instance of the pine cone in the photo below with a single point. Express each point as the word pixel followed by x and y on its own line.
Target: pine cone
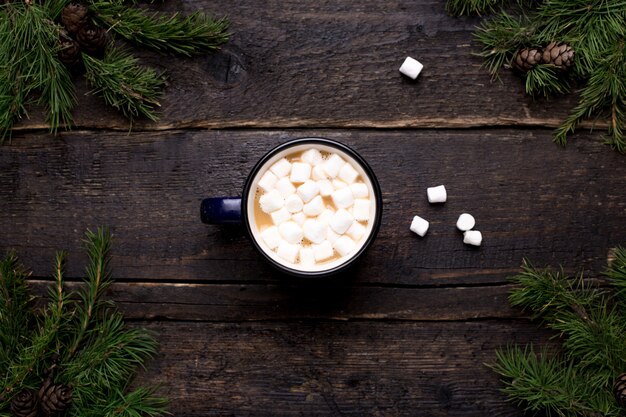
pixel 526 59
pixel 74 16
pixel 92 39
pixel 25 404
pixel 560 55
pixel 54 398
pixel 69 54
pixel 619 389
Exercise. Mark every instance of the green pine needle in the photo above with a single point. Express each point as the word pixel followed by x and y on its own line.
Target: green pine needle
pixel 616 271
pixel 124 84
pixel 470 7
pixel 544 80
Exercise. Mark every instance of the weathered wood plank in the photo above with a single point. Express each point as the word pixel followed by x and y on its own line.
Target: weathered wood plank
pixel 332 64
pixel 333 369
pixel 530 197
pixel 227 302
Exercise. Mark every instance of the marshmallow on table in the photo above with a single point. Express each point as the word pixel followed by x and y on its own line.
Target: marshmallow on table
pixel 361 209
pixel 333 164
pixel 271 237
pixel 437 194
pixel 288 251
pixel 267 181
pixel 359 190
pixel 312 157
pixel 284 187
pixel 344 245
pixel 323 251
pixel 348 174
pixel 318 173
pixel 281 168
pixel 293 203
pixel 291 231
pixel 326 187
pixel 341 221
pixel 343 198
pixel 280 216
pixel 307 256
pixel 308 191
pixel 411 67
pixel 356 231
pixel 299 218
pixel 271 201
pixel 314 207
pixel 300 172
pixel 314 231
pixel 419 226
pixel 465 222
pixel 472 237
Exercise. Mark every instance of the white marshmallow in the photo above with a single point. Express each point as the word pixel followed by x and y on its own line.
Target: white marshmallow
pixel 331 236
pixel 411 67
pixel 348 174
pixel 343 198
pixel 293 203
pixel 338 184
pixel 312 157
pixel 291 231
pixel 267 181
pixel 333 164
pixel 319 173
pixel 359 190
pixel 437 194
pixel 288 251
pixel 280 216
pixel 300 172
pixel 419 226
pixel 361 209
pixel 465 222
pixel 341 221
pixel 281 168
pixel 271 201
pixel 356 231
pixel 326 187
pixel 284 187
pixel 314 207
pixel 308 191
pixel 472 237
pixel 344 245
pixel 314 231
pixel 307 256
pixel 323 251
pixel 325 217
pixel 299 218
pixel 271 237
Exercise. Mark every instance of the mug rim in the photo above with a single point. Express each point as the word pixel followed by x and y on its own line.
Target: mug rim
pixel 377 195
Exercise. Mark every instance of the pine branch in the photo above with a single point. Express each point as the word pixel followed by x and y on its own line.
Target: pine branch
pixel 191 35
pixel 140 402
pixel 616 271
pixel 470 7
pixel 544 80
pixel 124 84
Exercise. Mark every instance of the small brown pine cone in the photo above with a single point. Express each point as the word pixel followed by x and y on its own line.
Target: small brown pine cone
pixel 69 53
pixel 92 39
pixel 25 404
pixel 74 16
pixel 55 398
pixel 526 59
pixel 619 389
pixel 560 55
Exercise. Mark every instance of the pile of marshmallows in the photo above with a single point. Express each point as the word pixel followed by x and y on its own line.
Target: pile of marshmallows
pixel 465 223
pixel 293 197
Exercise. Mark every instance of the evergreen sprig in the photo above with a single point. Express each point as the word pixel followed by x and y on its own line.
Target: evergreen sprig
pixel 79 335
pixel 595 29
pixel 576 378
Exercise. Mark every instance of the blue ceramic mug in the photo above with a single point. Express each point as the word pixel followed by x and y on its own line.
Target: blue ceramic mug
pixel 311 206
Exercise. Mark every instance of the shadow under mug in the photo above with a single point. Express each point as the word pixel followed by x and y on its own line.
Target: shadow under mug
pixel 234 210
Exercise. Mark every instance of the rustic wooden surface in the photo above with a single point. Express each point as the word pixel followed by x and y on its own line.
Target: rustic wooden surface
pixel 408 331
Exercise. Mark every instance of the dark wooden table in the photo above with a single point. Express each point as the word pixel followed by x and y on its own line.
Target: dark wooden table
pixel 408 332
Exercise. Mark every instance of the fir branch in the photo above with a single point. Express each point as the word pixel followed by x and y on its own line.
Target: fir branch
pixel 140 402
pixel 544 80
pixel 124 84
pixel 191 35
pixel 616 271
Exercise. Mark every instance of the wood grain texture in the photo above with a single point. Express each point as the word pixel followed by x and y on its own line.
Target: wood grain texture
pixel 333 369
pixel 325 64
pixel 530 197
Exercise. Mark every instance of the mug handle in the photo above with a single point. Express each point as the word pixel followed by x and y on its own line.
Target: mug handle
pixel 221 210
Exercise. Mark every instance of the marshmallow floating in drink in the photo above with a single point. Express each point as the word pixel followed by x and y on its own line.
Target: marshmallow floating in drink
pixel 314 207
